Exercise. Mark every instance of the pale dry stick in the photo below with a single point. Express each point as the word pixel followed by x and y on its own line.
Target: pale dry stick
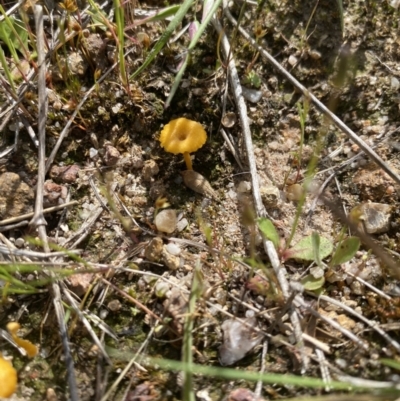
pixel 32 254
pixel 86 323
pixel 368 322
pixel 308 95
pixel 84 231
pixel 298 301
pixel 346 163
pixel 29 128
pixel 306 337
pixel 365 383
pixel 326 377
pixel 242 108
pixel 22 111
pixel 11 10
pixel 269 247
pixel 129 365
pixel 14 226
pixel 45 211
pixel 259 385
pixel 38 221
pixel 231 148
pixel 370 286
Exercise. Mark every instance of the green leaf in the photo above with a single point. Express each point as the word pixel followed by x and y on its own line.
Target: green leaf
pixel 315 240
pixel 269 231
pixel 304 249
pixel 311 283
pixel 345 251
pixel 14 34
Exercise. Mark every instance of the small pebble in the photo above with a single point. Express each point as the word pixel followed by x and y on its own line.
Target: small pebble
pixel 173 249
pixel 166 221
pixel 252 95
pixel 171 261
pixel 111 156
pixel 153 250
pixel 150 169
pixel 114 305
pixel 19 242
pixel 244 186
pixel 182 224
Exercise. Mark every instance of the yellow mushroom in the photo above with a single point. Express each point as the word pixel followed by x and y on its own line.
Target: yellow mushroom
pixel 31 349
pixel 183 136
pixel 8 378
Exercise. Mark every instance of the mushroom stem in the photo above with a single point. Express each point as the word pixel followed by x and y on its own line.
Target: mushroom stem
pixel 188 160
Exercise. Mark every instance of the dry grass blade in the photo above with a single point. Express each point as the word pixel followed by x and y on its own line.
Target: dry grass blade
pixel 259 207
pixel 373 325
pixel 38 221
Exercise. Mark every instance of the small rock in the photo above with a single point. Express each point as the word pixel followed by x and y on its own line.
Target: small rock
pixel 292 60
pixel 137 156
pixel 171 261
pixel 166 221
pixel 80 283
pixel 394 83
pixel 150 169
pixel 111 155
pixel 238 340
pixel 173 249
pixel 252 95
pixel 54 194
pixel 154 249
pixel 114 305
pixel 182 224
pixel 373 217
pixel 19 242
pixel 74 65
pixel 93 153
pixel 270 195
pixel 67 174
pixel 161 289
pixel 16 197
pixel 244 187
pixel 95 46
pixel 243 394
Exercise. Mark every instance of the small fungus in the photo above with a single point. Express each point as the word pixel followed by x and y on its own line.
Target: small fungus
pixel 8 378
pixel 183 136
pixel 31 349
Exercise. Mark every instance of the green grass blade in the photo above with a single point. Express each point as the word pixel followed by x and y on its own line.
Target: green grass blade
pixel 187 356
pixel 160 15
pixel 6 69
pixel 164 37
pixel 191 46
pixel 340 5
pixel 242 375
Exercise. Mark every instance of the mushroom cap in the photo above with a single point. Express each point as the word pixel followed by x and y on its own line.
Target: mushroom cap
pixel 8 378
pixel 182 136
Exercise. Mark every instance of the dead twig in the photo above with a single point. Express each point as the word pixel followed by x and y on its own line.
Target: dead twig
pixel 38 221
pixel 29 215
